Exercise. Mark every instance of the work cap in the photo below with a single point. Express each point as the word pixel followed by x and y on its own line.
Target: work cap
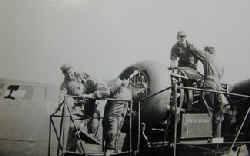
pixel 65 67
pixel 181 33
pixel 210 49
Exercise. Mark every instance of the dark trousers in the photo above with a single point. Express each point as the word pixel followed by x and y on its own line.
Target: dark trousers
pixel 212 101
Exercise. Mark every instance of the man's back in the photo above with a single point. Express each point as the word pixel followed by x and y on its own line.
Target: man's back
pixel 212 68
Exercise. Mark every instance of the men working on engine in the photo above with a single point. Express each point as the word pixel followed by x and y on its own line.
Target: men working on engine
pixel 76 84
pixel 114 112
pixel 187 63
pixel 212 76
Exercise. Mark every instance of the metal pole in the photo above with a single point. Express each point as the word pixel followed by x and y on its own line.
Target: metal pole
pixel 175 113
pixel 60 130
pixel 77 131
pixel 215 91
pixel 56 133
pixel 154 94
pixel 139 127
pixel 130 129
pixel 241 126
pixel 49 135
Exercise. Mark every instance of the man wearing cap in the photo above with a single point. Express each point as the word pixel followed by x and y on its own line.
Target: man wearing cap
pixel 181 57
pixel 80 85
pixel 186 62
pixel 212 76
pixel 73 83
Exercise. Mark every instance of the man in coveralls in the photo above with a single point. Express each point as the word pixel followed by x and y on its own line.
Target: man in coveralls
pixel 114 113
pixel 186 62
pixel 212 76
pixel 82 86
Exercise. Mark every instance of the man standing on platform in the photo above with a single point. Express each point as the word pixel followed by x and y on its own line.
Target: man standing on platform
pixel 114 112
pixel 77 86
pixel 186 62
pixel 212 76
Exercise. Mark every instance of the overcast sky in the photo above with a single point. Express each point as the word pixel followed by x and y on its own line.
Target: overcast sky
pixel 102 37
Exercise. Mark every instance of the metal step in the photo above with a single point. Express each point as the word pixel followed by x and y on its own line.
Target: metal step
pixel 94 154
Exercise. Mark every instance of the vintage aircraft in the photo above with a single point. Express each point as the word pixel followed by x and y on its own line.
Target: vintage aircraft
pixel 26 108
pixel 24 117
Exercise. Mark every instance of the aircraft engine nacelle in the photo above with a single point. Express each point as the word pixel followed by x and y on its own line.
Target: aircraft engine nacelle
pixel 242 87
pixel 147 78
pixel 241 103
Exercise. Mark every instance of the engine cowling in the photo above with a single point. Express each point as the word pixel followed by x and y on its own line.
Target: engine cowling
pixel 147 78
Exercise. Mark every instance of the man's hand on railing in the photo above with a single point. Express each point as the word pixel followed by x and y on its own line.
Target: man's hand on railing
pixel 89 96
pixel 179 76
pixel 175 72
pixel 172 68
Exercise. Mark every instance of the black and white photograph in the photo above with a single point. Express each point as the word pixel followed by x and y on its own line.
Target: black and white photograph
pixel 124 78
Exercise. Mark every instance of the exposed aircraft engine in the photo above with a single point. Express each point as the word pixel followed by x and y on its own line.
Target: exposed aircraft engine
pixel 147 78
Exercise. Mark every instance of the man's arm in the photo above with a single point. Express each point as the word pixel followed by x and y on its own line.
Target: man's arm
pixel 114 86
pixel 90 89
pixel 96 89
pixel 102 90
pixel 88 83
pixel 201 55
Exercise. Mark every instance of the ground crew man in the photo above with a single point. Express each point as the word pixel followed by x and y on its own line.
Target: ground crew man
pixel 80 85
pixel 181 56
pixel 114 113
pixel 212 76
pixel 186 62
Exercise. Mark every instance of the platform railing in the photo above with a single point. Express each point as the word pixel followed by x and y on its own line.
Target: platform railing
pixel 175 78
pixel 64 111
pixel 176 87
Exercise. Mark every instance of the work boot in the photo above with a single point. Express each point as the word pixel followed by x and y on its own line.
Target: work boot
pixel 219 117
pixel 217 137
pixel 108 152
